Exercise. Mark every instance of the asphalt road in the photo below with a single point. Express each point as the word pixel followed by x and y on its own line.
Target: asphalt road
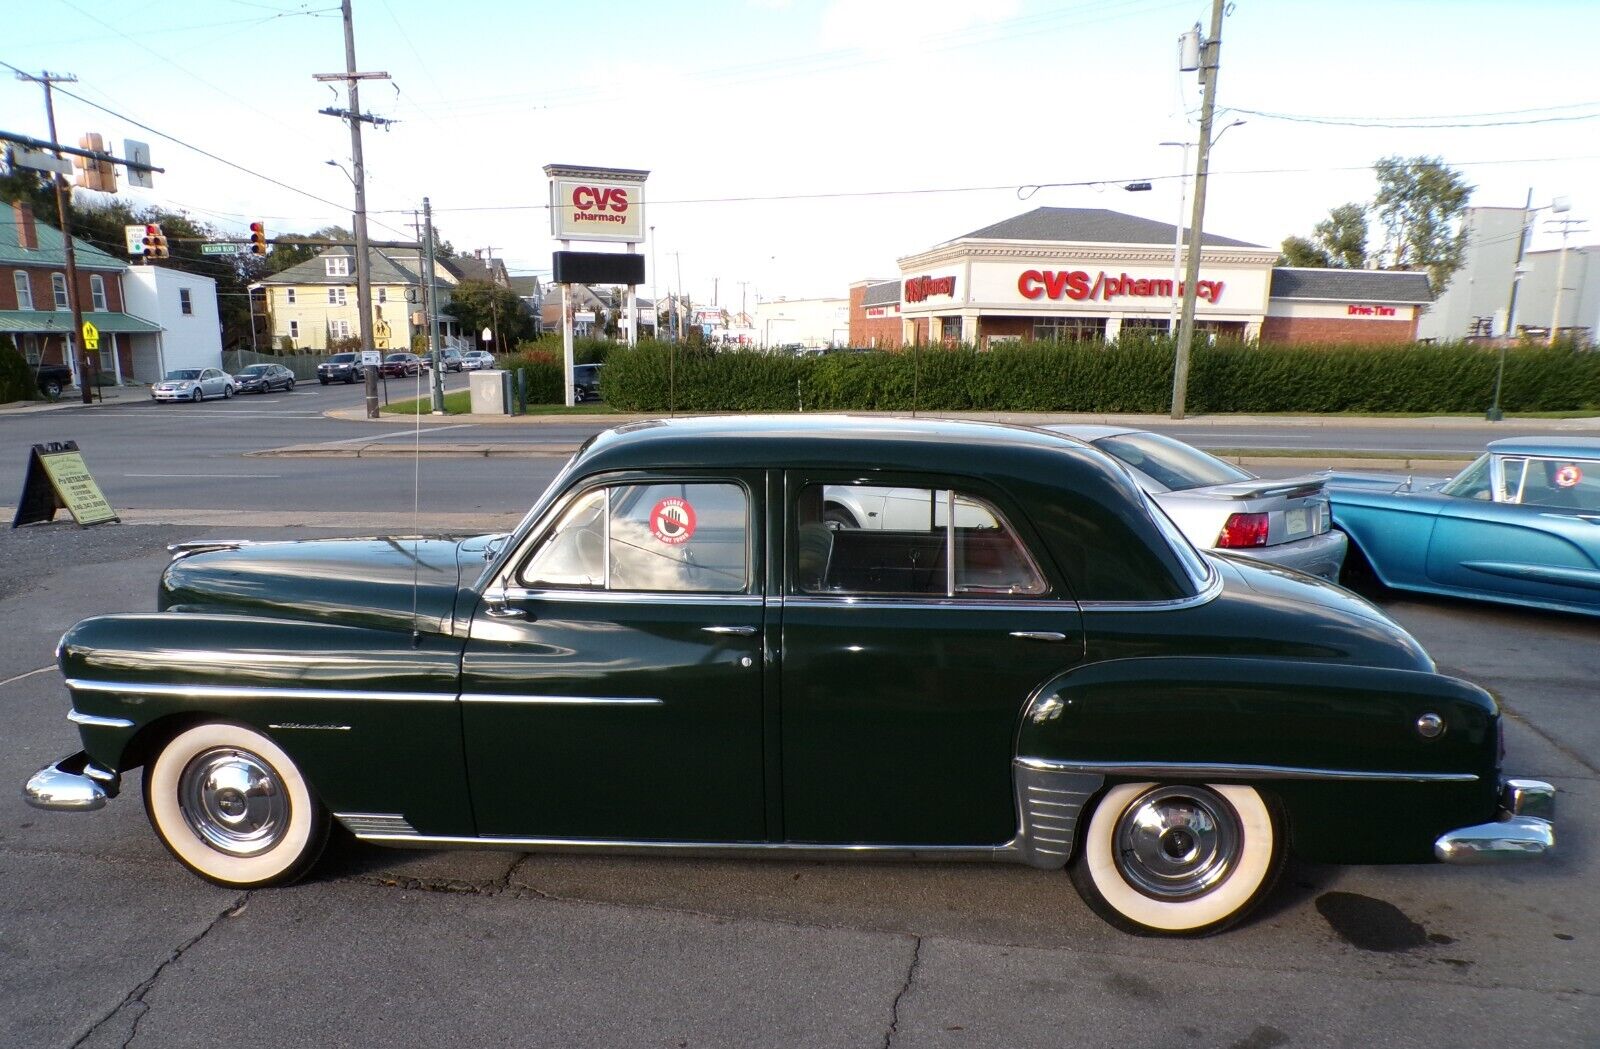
pixel 148 455
pixel 105 941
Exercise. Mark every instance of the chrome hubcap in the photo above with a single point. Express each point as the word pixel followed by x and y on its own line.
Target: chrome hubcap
pixel 1177 843
pixel 234 801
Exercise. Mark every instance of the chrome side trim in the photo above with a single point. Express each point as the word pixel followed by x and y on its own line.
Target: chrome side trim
pixel 720 849
pixel 1206 594
pixel 252 692
pixel 1049 802
pixel 182 550
pixel 1206 770
pixel 1039 635
pixel 301 725
pixel 388 824
pixel 562 701
pixel 736 631
pixel 1044 603
pixel 96 721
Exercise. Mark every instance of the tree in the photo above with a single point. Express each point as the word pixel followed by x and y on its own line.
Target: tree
pixel 1298 251
pixel 1343 235
pixel 478 304
pixel 1420 202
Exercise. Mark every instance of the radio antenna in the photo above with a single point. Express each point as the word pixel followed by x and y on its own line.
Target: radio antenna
pixel 416 510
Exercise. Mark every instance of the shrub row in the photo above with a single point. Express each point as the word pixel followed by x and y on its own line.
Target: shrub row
pixel 1126 377
pixel 16 378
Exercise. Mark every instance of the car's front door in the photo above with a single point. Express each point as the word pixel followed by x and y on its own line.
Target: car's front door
pixel 1539 539
pixel 612 680
pixel 905 670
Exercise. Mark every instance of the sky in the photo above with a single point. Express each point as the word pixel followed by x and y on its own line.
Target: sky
pixel 797 146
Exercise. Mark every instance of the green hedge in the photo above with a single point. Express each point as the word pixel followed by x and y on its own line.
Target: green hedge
pixel 1129 377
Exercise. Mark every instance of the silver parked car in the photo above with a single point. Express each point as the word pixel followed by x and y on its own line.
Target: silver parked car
pixel 193 384
pixel 473 360
pixel 1221 507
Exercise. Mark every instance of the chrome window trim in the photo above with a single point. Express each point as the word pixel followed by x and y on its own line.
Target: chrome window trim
pixel 1039 603
pixel 561 701
pixel 252 692
pixel 1194 769
pixel 96 721
pixel 1208 593
pixel 652 597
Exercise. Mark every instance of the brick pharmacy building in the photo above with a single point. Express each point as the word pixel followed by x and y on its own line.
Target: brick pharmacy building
pixel 1093 274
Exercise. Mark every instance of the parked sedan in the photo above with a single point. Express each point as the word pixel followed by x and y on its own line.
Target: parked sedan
pixel 449 360
pixel 1521 525
pixel 193 384
pixel 586 382
pixel 400 365
pixel 264 378
pixel 473 360
pixel 1221 507
pixel 674 654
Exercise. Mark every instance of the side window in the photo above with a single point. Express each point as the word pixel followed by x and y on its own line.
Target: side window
pixel 855 539
pixel 674 538
pixel 1513 476
pixel 1563 483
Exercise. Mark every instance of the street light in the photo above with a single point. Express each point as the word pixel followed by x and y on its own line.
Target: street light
pixel 1518 271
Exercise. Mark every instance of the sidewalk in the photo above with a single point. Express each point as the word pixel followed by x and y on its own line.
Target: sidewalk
pixel 72 397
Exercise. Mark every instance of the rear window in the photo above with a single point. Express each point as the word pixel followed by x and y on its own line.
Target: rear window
pixel 1171 463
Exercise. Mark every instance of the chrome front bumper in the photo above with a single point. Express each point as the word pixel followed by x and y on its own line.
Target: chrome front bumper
pixel 73 784
pixel 1524 830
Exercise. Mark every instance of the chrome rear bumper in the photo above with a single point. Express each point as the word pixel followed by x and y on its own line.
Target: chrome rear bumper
pixel 73 784
pixel 1525 829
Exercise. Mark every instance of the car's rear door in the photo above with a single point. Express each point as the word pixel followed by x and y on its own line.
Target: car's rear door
pixel 902 680
pixel 612 680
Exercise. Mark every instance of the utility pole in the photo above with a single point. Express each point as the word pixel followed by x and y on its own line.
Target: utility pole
pixel 431 305
pixel 743 318
pixel 655 294
pixel 1561 275
pixel 677 300
pixel 64 216
pixel 355 118
pixel 1210 60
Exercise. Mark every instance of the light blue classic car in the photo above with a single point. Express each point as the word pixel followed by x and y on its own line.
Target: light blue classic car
pixel 1521 525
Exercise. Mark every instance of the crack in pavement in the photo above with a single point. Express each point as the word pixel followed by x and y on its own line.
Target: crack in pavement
pixel 1562 748
pixel 894 1008
pixel 136 996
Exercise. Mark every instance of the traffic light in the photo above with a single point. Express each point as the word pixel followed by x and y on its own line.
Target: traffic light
pixel 258 238
pixel 155 245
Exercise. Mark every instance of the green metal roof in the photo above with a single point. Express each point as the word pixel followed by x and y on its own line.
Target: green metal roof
pixel 50 251
pixel 56 322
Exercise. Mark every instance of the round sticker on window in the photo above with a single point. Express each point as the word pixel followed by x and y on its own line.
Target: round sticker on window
pixel 672 521
pixel 1568 476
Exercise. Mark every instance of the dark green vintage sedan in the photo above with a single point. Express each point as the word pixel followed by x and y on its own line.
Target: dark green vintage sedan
pixel 680 650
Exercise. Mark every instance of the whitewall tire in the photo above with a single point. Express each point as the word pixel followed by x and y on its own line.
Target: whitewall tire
pixel 231 806
pixel 1178 859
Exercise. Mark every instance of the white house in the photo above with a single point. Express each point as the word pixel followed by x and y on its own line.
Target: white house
pixel 185 305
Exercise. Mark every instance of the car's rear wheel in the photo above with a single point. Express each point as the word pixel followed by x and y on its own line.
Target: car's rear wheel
pixel 1178 859
pixel 52 389
pixel 231 806
pixel 837 517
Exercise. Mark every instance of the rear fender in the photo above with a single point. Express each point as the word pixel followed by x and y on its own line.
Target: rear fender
pixel 1338 745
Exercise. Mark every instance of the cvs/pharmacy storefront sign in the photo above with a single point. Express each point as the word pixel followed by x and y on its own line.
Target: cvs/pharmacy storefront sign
pixel 597 204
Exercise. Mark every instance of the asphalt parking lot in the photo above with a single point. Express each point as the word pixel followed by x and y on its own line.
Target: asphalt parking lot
pixel 105 941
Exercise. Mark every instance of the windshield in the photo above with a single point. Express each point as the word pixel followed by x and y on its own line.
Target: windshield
pixel 1171 463
pixel 256 369
pixel 184 373
pixel 341 358
pixel 396 357
pixel 1471 483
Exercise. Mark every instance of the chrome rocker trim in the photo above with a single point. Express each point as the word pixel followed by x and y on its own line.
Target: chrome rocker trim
pixel 151 688
pixel 96 721
pixel 1524 829
pixel 73 784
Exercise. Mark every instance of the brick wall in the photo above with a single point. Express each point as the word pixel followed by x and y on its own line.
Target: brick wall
pixel 1021 327
pixel 1336 329
pixel 44 296
pixel 882 332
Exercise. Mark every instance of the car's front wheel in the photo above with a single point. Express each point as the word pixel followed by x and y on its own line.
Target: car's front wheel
pixel 231 806
pixel 52 389
pixel 1178 859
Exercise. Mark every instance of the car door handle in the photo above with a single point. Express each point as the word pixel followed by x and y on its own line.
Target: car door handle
pixel 1039 635
pixel 739 631
pixel 503 612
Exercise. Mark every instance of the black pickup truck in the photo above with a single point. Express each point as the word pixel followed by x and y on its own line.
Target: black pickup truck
pixel 52 379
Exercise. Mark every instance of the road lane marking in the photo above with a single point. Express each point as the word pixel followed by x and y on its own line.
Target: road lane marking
pixel 191 476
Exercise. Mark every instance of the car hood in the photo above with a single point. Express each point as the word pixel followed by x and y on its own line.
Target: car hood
pixel 1329 623
pixel 1347 484
pixel 389 583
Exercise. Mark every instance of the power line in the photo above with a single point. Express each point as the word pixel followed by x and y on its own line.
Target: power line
pixel 342 209
pixel 1401 123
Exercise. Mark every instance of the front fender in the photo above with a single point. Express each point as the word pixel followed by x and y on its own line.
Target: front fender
pixel 1339 745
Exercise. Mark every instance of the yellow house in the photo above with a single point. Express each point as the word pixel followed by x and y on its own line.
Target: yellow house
pixel 314 305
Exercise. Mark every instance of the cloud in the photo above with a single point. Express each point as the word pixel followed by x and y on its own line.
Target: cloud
pixel 892 24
